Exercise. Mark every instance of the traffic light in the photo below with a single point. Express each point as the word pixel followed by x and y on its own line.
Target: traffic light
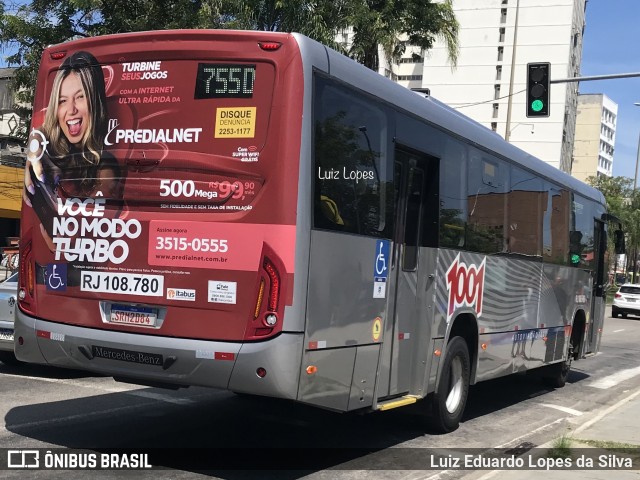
pixel 538 89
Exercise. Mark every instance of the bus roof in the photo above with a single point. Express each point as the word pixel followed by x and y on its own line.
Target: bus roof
pixel 443 116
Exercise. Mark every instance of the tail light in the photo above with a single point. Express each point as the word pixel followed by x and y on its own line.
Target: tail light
pixel 269 46
pixel 58 55
pixel 27 275
pixel 618 295
pixel 274 287
pixel 266 318
pixel 256 313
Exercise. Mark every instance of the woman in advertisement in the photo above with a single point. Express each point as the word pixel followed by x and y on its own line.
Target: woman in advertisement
pixel 66 156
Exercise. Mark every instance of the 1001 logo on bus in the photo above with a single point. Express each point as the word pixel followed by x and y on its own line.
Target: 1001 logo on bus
pixel 466 286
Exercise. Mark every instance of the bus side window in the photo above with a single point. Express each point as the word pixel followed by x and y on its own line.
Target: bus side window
pixel 555 231
pixel 525 207
pixel 488 180
pixel 350 171
pixel 453 195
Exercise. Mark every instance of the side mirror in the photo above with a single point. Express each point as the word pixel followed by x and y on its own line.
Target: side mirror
pixel 619 241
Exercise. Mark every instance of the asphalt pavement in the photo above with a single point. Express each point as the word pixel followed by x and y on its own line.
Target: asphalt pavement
pixel 610 440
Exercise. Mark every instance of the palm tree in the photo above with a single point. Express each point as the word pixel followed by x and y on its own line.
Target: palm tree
pixel 386 23
pixel 319 19
pixel 374 23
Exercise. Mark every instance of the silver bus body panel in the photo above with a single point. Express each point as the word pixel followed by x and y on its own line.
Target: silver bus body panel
pixel 341 308
pixel 344 380
pixel 340 319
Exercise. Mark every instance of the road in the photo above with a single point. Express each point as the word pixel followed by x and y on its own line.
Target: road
pixel 48 408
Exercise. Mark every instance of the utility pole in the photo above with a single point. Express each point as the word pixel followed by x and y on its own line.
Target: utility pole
pixel 507 132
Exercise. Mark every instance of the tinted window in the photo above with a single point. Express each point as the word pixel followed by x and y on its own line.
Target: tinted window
pixel 351 178
pixel 555 240
pixel 581 241
pixel 632 290
pixel 415 185
pixel 486 203
pixel 525 204
pixel 453 195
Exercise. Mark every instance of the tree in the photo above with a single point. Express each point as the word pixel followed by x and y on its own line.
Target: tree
pixel 616 190
pixel 624 202
pixel 319 20
pixel 31 27
pixel 384 22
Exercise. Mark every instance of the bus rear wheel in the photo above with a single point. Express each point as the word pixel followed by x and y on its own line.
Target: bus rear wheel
pixel 447 404
pixel 556 375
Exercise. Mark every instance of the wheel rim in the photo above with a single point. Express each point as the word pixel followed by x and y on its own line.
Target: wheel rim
pixel 454 396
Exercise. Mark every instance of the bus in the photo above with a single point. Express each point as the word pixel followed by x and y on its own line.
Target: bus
pixel 253 211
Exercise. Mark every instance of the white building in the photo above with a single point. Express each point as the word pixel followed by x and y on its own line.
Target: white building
pixel 595 136
pixel 11 146
pixel 483 82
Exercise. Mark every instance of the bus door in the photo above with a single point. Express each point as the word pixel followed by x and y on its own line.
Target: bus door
pixel 599 274
pixel 412 267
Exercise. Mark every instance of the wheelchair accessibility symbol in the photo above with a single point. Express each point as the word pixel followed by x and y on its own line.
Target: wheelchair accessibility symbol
pixel 380 268
pixel 55 276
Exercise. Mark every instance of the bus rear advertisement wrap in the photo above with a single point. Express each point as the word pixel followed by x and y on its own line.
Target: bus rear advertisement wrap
pixel 157 193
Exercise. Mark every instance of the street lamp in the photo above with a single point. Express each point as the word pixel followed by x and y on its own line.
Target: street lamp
pixel 635 180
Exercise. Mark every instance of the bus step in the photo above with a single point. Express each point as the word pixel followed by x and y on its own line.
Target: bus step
pixel 398 402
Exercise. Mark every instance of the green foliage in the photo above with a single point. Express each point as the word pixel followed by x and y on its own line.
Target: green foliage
pixel 623 201
pixel 616 190
pixel 561 447
pixel 30 28
pixel 382 22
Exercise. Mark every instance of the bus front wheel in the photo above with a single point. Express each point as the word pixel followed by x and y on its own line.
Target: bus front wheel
pixel 447 406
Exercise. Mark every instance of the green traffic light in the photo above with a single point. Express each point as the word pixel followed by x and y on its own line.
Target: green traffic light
pixel 537 105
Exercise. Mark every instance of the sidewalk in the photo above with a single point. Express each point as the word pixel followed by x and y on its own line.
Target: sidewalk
pixel 605 435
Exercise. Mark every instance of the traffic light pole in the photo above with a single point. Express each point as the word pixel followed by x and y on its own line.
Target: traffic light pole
pixel 595 77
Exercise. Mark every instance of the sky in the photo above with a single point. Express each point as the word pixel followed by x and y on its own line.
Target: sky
pixel 612 45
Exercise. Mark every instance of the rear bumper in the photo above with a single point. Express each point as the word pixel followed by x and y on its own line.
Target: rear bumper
pixel 166 360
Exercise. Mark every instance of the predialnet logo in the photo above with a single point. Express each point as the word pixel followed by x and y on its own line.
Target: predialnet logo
pixel 181 294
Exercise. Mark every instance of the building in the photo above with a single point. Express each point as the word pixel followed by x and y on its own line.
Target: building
pixel 494 36
pixel 12 161
pixel 595 136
